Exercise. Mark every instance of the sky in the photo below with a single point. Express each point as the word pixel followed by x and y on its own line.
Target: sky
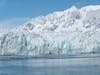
pixel 16 12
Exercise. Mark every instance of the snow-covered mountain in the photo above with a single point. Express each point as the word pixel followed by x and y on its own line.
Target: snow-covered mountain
pixel 71 31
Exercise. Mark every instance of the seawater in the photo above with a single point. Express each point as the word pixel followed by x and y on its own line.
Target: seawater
pixel 36 66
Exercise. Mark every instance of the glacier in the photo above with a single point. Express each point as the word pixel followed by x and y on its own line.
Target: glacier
pixel 72 31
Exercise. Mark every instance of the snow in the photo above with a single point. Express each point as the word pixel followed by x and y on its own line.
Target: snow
pixel 73 31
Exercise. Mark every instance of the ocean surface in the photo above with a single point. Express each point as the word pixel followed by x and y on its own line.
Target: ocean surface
pixel 41 66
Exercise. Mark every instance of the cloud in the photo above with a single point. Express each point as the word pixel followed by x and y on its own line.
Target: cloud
pixel 11 23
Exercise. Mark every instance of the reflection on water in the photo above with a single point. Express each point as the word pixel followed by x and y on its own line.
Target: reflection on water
pixel 72 66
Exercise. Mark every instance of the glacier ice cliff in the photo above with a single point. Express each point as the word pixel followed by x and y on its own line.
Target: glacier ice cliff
pixel 73 31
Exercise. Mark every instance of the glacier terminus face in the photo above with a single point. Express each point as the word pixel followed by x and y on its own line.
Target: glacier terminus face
pixel 72 31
